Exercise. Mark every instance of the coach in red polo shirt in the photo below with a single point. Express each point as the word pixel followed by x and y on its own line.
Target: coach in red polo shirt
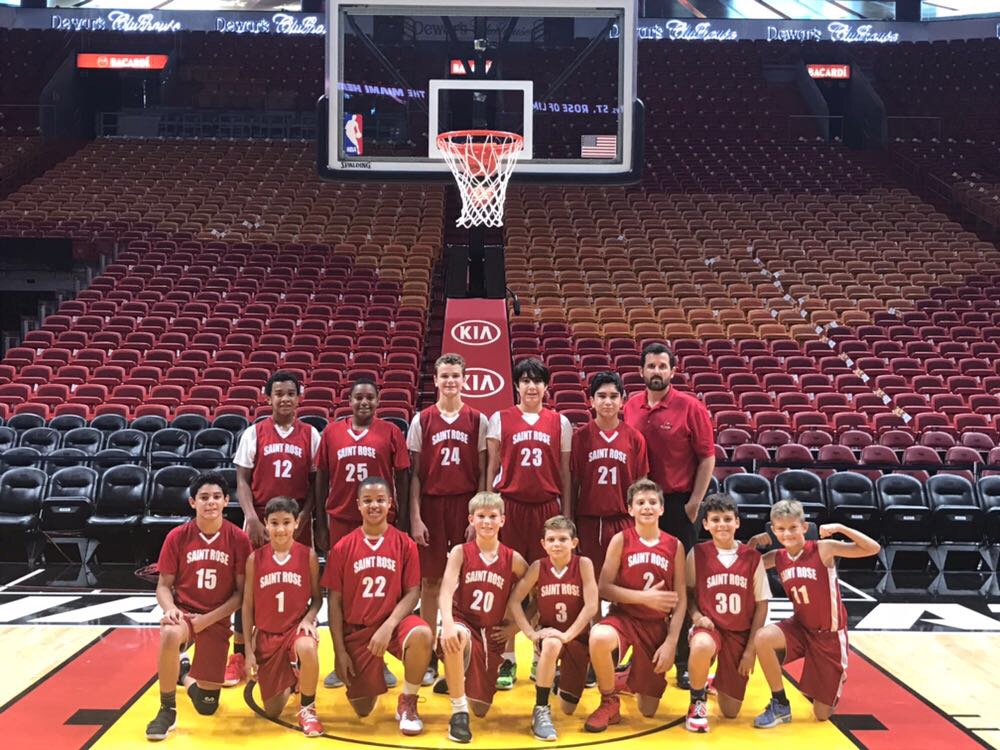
pixel 681 446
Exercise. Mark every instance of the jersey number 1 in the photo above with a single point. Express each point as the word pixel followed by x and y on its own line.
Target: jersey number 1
pixel 282 469
pixel 800 594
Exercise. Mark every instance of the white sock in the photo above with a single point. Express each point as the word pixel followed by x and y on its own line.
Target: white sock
pixel 459 705
pixel 409 688
pixel 510 656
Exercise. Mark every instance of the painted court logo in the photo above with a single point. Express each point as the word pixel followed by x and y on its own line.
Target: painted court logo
pixel 481 382
pixel 475 332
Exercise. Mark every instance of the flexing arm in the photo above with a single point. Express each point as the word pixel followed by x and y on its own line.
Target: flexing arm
pixel 861 545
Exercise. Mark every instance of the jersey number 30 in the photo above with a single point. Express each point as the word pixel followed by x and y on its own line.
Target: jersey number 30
pixel 731 604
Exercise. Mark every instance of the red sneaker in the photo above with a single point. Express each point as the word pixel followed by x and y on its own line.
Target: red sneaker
pixel 409 720
pixel 308 722
pixel 236 670
pixel 609 712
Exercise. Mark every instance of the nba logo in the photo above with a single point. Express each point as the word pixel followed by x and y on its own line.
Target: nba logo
pixel 353 138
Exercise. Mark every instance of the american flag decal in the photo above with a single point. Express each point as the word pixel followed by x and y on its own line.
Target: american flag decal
pixel 598 146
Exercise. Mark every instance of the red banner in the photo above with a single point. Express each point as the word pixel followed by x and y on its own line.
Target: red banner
pixel 842 72
pixel 116 61
pixel 477 329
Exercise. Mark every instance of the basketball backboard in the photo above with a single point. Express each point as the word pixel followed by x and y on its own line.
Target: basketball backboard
pixel 561 73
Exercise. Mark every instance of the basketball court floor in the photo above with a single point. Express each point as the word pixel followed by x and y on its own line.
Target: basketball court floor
pixel 79 672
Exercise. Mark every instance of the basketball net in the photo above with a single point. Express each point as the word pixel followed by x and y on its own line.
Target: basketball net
pixel 482 162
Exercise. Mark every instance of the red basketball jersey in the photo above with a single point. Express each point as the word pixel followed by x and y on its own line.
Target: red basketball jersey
pixel 643 566
pixel 349 457
pixel 372 574
pixel 204 567
pixel 283 464
pixel 812 587
pixel 529 457
pixel 483 588
pixel 605 466
pixel 449 452
pixel 282 590
pixel 559 595
pixel 726 595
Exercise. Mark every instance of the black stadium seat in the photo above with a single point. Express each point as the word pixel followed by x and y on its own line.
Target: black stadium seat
pixel 959 524
pixel 42 439
pixel 66 422
pixel 233 423
pixel 131 441
pixel 207 459
pixel 168 502
pixel 14 457
pixel 63 457
pixel 21 493
pixel 148 424
pixel 8 439
pixel 120 504
pixel 110 457
pixel 108 423
pixel 22 422
pixel 189 422
pixel 804 486
pixel 216 438
pixel 851 501
pixel 87 439
pixel 68 503
pixel 906 521
pixel 752 494
pixel 168 445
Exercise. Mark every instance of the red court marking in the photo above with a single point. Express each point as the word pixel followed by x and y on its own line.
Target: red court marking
pixel 105 676
pixel 909 720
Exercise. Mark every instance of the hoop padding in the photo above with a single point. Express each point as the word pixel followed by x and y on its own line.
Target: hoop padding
pixel 482 162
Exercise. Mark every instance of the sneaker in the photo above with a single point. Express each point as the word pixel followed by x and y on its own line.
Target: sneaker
pixel 308 721
pixel 430 676
pixel 683 679
pixel 458 727
pixel 441 686
pixel 235 670
pixel 409 720
pixel 332 680
pixel 390 678
pixel 185 667
pixel 541 724
pixel 162 725
pixel 591 677
pixel 606 714
pixel 507 675
pixel 697 718
pixel 775 714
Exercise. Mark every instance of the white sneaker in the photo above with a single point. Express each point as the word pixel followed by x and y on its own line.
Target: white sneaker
pixel 697 717
pixel 410 723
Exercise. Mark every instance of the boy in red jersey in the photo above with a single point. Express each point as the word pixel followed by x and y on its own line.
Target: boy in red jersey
pixel 608 456
pixel 373 576
pixel 817 629
pixel 529 450
pixel 727 600
pixel 351 450
pixel 279 612
pixel 447 443
pixel 565 591
pixel 276 457
pixel 475 594
pixel 643 578
pixel 200 585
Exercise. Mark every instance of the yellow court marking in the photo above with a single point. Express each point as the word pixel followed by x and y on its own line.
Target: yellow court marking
pixel 37 651
pixel 507 727
pixel 957 672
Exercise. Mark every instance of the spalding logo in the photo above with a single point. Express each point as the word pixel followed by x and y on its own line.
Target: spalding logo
pixel 475 332
pixel 482 383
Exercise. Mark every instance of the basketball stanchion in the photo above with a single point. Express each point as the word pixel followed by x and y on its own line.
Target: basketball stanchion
pixel 482 162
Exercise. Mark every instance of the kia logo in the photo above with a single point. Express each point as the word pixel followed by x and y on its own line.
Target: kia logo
pixel 481 382
pixel 475 332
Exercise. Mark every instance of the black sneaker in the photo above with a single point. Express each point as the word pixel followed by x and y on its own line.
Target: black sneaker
pixel 161 726
pixel 591 677
pixel 441 686
pixel 683 679
pixel 458 728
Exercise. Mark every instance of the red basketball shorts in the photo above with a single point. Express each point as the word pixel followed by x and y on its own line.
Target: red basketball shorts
pixel 729 648
pixel 211 650
pixel 523 528
pixel 369 678
pixel 825 652
pixel 644 637
pixel 482 662
pixel 574 658
pixel 595 533
pixel 277 662
pixel 446 518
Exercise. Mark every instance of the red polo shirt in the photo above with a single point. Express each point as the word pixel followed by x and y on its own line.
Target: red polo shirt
pixel 679 434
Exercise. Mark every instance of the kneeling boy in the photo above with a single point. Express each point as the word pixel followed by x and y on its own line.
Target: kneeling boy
pixel 727 596
pixel 279 616
pixel 817 629
pixel 566 596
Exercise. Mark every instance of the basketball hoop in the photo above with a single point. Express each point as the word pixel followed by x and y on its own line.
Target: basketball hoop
pixel 482 162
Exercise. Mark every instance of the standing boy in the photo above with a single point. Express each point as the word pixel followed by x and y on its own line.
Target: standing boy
pixel 279 613
pixel 373 576
pixel 529 450
pixel 608 456
pixel 447 443
pixel 200 585
pixel 817 629
pixel 727 598
pixel 276 457
pixel 565 591
pixel 643 578
pixel 475 593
